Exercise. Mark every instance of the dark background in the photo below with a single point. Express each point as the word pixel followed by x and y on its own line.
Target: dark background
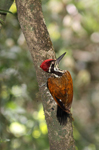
pixel 73 26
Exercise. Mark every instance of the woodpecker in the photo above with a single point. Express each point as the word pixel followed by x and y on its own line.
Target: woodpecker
pixel 60 85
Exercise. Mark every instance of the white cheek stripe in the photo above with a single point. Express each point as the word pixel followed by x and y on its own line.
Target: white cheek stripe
pixel 56 75
pixel 49 70
pixel 57 69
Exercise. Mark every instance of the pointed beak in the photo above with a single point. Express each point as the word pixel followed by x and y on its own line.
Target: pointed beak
pixel 60 58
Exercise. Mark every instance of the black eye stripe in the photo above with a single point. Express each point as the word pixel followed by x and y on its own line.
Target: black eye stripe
pixel 52 65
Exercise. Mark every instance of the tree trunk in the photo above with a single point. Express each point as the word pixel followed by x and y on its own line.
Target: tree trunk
pixel 40 46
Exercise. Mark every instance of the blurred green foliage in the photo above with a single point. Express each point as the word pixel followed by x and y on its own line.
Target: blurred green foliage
pixel 73 26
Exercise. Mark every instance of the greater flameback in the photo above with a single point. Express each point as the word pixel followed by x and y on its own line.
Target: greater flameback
pixel 60 85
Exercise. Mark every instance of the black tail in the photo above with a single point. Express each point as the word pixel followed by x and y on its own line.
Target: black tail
pixel 62 116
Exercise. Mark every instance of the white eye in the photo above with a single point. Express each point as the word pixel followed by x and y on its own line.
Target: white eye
pixel 52 63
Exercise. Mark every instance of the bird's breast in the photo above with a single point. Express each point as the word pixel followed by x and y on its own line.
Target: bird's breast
pixel 62 88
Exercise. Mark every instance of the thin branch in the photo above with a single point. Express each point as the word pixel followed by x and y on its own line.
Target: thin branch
pixel 4 5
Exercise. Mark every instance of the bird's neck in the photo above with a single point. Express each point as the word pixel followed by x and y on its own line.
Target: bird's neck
pixel 57 72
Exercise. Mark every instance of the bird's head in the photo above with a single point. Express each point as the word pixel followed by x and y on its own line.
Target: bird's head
pixel 51 65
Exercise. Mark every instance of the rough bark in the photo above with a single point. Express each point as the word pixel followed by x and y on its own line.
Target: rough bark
pixel 40 46
pixel 4 5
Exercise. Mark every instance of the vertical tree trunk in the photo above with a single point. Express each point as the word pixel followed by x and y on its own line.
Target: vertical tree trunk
pixel 40 46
